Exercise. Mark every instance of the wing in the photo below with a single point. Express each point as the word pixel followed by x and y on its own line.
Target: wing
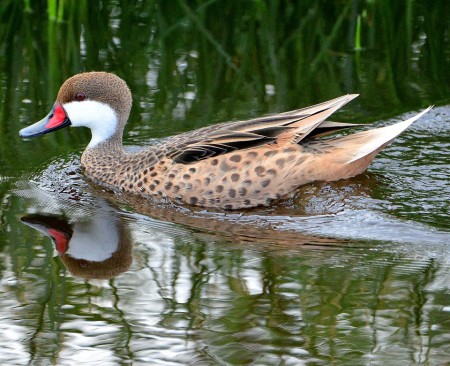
pixel 288 127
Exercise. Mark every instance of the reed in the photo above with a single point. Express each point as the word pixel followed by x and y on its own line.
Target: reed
pixel 358 34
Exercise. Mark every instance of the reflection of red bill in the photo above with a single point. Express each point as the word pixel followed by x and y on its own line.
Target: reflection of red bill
pixel 61 240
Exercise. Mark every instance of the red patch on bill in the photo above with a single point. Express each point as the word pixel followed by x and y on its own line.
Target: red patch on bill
pixel 59 116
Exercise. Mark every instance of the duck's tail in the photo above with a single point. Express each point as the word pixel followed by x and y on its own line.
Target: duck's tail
pixel 368 142
pixel 353 153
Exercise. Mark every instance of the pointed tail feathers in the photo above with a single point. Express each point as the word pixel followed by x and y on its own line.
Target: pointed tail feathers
pixel 368 142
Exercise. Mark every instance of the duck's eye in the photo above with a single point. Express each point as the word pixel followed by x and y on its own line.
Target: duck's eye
pixel 80 96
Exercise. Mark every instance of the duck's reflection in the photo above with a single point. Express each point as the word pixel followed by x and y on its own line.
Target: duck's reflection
pixel 97 247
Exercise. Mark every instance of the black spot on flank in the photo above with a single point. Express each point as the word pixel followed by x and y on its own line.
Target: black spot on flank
pixel 291 157
pixel 192 170
pixel 246 202
pixel 145 180
pixel 186 176
pixel 272 172
pixel 259 170
pixel 206 181
pixel 290 150
pixel 152 187
pixel 145 171
pixel 242 191
pixel 193 200
pixel 131 186
pixel 224 167
pixel 265 183
pixel 153 174
pixel 156 181
pixel 219 189
pixel 171 176
pixel 214 162
pixel 280 162
pixel 139 184
pixel 234 177
pixel 168 185
pixel 236 158
pixel 232 193
pixel 228 207
pixel 269 153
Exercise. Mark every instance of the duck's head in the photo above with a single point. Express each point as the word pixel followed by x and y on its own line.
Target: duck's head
pixel 98 100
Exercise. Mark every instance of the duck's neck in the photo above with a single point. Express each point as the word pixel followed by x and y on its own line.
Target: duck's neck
pixel 103 160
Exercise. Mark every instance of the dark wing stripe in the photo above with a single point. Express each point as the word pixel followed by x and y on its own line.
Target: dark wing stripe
pixel 272 131
pixel 195 153
pixel 328 127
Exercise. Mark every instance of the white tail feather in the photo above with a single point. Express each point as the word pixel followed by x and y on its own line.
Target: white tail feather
pixel 381 136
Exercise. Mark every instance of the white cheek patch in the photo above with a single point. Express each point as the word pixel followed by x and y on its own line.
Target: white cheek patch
pixel 99 117
pixel 95 241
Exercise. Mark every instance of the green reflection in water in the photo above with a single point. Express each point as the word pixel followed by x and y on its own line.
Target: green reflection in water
pixel 204 300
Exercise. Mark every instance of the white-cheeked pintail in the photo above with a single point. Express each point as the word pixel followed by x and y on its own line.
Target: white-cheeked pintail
pixel 231 165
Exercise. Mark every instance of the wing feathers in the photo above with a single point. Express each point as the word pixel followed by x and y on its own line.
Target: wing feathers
pixel 288 127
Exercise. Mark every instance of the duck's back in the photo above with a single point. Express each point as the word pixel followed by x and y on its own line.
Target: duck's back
pixel 249 163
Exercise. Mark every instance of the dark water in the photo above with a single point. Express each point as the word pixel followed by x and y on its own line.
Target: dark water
pixel 355 272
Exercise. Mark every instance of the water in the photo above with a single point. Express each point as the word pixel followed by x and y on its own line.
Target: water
pixel 355 272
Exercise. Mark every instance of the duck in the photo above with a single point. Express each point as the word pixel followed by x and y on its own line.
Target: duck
pixel 229 166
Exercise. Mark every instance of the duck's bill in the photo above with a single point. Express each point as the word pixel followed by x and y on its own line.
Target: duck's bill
pixel 58 230
pixel 55 120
